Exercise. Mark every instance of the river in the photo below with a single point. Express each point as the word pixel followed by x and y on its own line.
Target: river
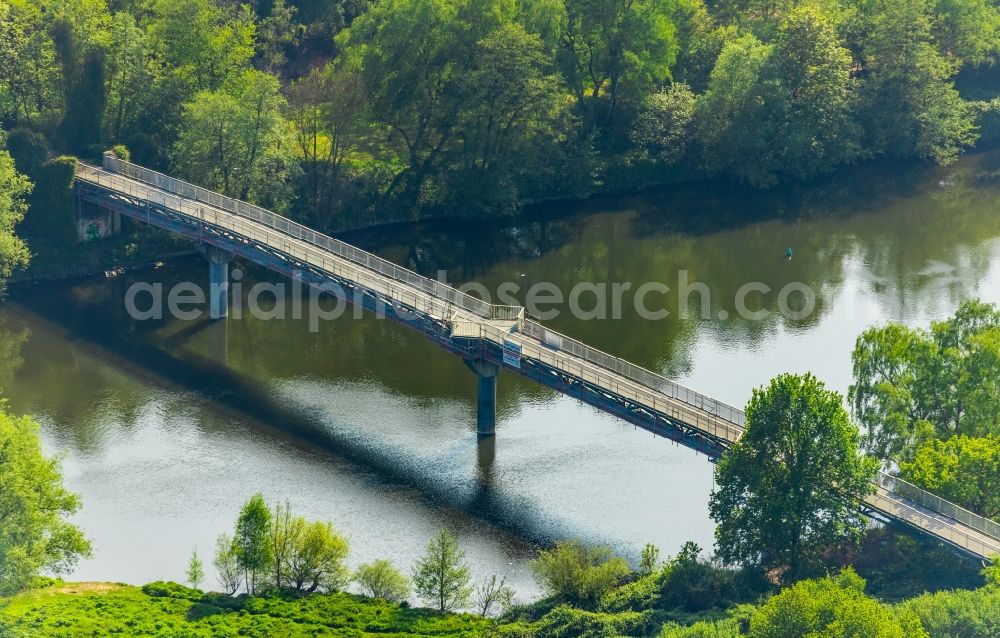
pixel 166 426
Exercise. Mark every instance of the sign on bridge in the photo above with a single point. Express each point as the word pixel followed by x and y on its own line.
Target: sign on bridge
pixel 512 354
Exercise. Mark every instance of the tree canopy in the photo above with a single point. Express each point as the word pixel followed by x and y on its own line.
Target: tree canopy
pixel 911 385
pixel 35 535
pixel 344 114
pixel 788 489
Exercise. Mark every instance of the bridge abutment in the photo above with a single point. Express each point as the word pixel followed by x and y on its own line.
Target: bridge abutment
pixel 486 395
pixel 218 281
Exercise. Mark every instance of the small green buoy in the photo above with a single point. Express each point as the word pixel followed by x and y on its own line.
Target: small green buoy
pixel 788 252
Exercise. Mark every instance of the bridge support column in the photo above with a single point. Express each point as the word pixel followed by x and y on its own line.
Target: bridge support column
pixel 218 281
pixel 486 396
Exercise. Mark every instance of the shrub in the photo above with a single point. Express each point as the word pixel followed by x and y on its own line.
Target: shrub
pixel 381 580
pixel 958 613
pixel 29 150
pixel 832 606
pixel 166 589
pixel 577 574
pixel 567 622
pixel 638 595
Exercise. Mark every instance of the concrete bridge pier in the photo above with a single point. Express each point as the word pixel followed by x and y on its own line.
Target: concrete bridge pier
pixel 218 281
pixel 486 396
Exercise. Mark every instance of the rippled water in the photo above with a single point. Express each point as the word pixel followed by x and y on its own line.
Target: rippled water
pixel 166 427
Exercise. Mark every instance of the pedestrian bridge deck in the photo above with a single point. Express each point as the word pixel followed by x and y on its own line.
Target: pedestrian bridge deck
pixel 475 329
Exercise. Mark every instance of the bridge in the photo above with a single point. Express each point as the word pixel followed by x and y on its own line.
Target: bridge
pixel 489 338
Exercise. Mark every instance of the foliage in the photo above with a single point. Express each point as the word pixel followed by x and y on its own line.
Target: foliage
pixel 568 622
pixel 441 576
pixel 784 108
pixel 358 112
pixel 831 607
pixel 14 188
pixel 228 137
pixel 662 127
pixel 963 470
pixel 227 565
pixel 172 610
pixel 250 541
pixel 911 385
pixel 381 580
pixel 650 559
pixel 578 574
pixel 958 613
pixel 692 584
pixel 195 570
pixel 316 557
pixel 774 504
pixel 909 105
pixel 992 571
pixel 35 535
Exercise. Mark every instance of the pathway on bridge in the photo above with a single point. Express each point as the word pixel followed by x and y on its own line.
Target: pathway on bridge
pixel 491 336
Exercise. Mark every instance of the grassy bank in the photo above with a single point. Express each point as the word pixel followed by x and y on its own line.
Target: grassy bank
pixel 106 609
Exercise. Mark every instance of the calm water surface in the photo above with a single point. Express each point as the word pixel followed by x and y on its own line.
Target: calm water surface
pixel 167 427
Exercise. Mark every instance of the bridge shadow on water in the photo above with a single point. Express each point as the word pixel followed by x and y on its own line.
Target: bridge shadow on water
pixel 96 322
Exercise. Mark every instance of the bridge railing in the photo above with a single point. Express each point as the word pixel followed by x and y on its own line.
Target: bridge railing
pixel 904 510
pixel 285 225
pixel 925 499
pixel 636 373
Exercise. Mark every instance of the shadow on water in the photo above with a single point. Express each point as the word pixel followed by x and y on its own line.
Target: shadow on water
pixel 157 352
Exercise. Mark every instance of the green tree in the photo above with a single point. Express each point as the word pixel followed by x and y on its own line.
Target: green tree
pixel 250 542
pixel 730 124
pixel 227 565
pixel 412 56
pixel 127 74
pixel 831 607
pixel 663 126
pixel 441 576
pixel 326 109
pixel 277 35
pixel 30 78
pixel 197 42
pixel 381 580
pixel 34 535
pixel 624 47
pixel 316 556
pixel 886 361
pixel 650 559
pixel 963 470
pixel 282 538
pixel 228 137
pixel 505 132
pixel 909 103
pixel 789 488
pixel 992 571
pixel 14 188
pixel 195 570
pixel 577 574
pixel 784 109
pixel 911 385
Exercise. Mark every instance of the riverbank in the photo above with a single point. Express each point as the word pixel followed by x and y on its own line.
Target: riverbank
pixel 643 606
pixel 696 206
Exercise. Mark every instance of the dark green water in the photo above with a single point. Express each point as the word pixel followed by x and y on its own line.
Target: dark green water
pixel 167 426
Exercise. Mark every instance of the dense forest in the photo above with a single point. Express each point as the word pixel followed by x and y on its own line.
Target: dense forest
pixel 344 113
